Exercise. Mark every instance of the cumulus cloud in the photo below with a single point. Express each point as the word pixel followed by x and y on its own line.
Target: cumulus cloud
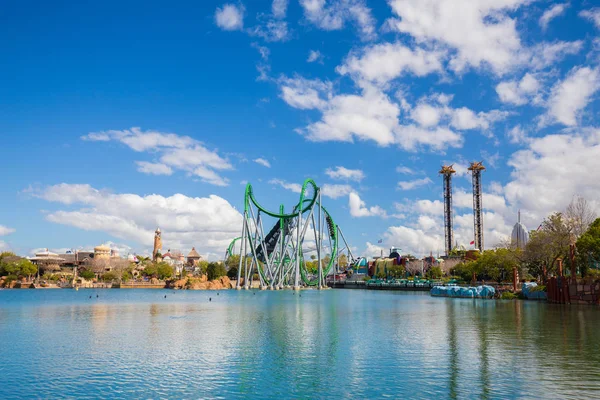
pixel 345 173
pixel 230 17
pixel 336 13
pixel 479 31
pixel 384 62
pixel 593 15
pixel 569 97
pixel 551 13
pixel 279 8
pixel 305 94
pixel 414 184
pixel 518 92
pixel 314 56
pixel 551 170
pixel 153 168
pixel 263 162
pixel 176 152
pixel 335 191
pixel 208 223
pixel 4 230
pixel 358 208
pixel 294 187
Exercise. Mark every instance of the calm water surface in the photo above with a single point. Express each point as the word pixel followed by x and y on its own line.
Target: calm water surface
pixel 329 344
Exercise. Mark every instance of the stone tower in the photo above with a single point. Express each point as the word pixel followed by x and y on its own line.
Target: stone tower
pixel 157 244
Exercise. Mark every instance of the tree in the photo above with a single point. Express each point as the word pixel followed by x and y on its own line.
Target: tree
pixel 215 270
pixel 588 247
pixel 164 271
pixel 434 273
pixel 233 261
pixel 343 261
pixel 396 271
pixel 26 268
pixel 87 274
pixel 203 265
pixel 548 244
pixel 579 216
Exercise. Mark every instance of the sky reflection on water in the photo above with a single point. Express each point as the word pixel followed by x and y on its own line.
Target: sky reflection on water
pixel 330 344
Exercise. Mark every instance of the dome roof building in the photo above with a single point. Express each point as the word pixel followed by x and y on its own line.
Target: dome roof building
pixel 519 236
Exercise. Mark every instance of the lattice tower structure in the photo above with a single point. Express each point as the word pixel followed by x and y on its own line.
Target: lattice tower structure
pixel 476 168
pixel 447 171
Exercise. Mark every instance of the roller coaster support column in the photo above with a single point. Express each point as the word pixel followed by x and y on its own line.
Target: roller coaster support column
pixel 298 245
pixel 319 245
pixel 242 245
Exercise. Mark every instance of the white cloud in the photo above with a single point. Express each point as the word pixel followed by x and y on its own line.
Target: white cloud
pixel 372 116
pixel 279 8
pixel 314 55
pixel 334 15
pixel 384 62
pixel 517 135
pixel 272 30
pixel 553 12
pixel 4 230
pixel 520 92
pixel 335 191
pixel 405 170
pixel 263 162
pixel 208 223
pixel 464 118
pixel 294 187
pixel 593 15
pixel 358 208
pixel 180 152
pixel 569 97
pixel 305 94
pixel 153 168
pixel 426 115
pixel 345 173
pixel 230 17
pixel 480 31
pixel 410 185
pixel 545 54
pixel 551 170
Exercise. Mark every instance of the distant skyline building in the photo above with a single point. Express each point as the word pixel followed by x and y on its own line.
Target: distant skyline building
pixel 519 236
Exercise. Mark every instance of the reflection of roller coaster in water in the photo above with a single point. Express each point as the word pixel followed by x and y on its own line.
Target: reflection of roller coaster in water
pixel 277 256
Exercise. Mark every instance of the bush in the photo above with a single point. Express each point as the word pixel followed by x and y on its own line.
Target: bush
pixel 215 270
pixel 109 276
pixel 434 273
pixel 540 288
pixel 508 296
pixel 87 274
pixel 233 272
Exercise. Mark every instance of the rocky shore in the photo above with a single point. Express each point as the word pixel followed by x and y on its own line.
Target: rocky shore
pixel 202 283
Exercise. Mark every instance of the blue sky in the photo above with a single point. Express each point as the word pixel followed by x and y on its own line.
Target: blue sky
pixel 117 117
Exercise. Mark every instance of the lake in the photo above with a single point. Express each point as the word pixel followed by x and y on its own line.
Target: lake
pixel 328 344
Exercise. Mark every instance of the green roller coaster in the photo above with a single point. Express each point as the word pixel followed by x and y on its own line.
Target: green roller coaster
pixel 277 256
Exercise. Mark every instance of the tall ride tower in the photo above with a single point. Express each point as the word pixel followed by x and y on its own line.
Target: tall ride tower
pixel 447 172
pixel 476 168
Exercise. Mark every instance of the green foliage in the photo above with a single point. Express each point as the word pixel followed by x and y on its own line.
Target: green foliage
pixel 588 246
pixel 232 272
pixel 87 274
pixel 232 261
pixel 203 266
pixel 496 265
pixel 109 276
pixel 434 273
pixel 126 275
pixel 13 265
pixel 312 266
pixel 150 270
pixel 164 271
pixel 508 296
pixel 548 244
pixel 396 271
pixel 215 270
pixel 380 275
pixel 539 288
pixel 343 261
pixel 10 278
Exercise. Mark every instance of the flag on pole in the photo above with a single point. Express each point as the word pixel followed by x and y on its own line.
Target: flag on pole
pixel 472 243
pixel 380 241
